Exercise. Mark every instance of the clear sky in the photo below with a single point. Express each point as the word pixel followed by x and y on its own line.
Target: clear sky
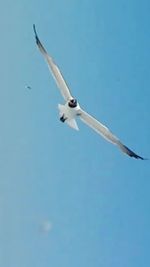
pixel 70 198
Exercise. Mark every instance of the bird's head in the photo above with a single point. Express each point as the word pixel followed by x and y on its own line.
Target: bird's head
pixel 72 103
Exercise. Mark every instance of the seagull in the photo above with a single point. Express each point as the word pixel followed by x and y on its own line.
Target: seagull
pixel 71 109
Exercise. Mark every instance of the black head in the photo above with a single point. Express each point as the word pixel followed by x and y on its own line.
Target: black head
pixel 72 103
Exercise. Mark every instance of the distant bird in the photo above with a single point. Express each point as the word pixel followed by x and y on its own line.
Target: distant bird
pixel 28 87
pixel 71 109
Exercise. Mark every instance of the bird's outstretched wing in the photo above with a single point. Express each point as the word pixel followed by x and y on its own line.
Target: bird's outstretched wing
pixel 105 132
pixel 54 70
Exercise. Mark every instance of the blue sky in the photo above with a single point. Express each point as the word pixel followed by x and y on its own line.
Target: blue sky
pixel 95 198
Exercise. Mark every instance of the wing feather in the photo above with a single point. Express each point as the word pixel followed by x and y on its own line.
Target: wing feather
pixel 62 85
pixel 106 133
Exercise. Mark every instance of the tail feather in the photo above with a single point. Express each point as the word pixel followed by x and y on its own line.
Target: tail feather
pixel 72 123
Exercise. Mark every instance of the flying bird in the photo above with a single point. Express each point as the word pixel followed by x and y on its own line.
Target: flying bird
pixel 71 109
pixel 28 87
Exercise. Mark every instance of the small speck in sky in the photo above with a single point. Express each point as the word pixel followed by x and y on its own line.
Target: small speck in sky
pixel 28 87
pixel 46 226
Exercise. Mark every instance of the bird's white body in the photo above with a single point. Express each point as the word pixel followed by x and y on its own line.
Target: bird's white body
pixel 71 109
pixel 69 114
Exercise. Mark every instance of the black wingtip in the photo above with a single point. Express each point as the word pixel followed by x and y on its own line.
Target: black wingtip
pixel 36 36
pixel 38 42
pixel 34 29
pixel 130 153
